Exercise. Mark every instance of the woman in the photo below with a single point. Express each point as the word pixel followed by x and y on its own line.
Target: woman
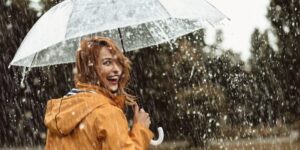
pixel 91 116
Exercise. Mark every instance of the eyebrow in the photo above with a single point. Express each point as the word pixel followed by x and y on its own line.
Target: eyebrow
pixel 106 59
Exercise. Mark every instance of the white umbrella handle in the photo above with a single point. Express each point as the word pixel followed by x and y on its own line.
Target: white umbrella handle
pixel 160 137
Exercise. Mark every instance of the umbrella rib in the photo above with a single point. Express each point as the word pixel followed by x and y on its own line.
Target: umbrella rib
pixel 166 36
pixel 33 59
pixel 156 43
pixel 165 9
pixel 209 3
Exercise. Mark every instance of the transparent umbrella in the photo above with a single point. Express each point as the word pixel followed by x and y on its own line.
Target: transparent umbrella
pixel 133 24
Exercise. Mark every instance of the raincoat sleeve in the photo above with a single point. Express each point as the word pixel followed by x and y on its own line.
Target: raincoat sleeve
pixel 113 132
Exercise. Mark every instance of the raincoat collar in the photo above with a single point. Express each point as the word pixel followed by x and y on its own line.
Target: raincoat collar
pixel 118 101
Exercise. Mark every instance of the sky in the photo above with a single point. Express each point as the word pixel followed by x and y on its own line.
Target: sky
pixel 245 15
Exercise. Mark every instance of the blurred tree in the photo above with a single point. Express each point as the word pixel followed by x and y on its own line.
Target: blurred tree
pixel 267 87
pixel 22 106
pixel 285 20
pixel 172 83
pixel 12 114
pixel 199 100
pixel 276 73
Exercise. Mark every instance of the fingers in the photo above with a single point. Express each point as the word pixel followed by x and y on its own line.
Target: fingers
pixel 148 121
pixel 140 112
pixel 141 116
pixel 137 109
pixel 145 113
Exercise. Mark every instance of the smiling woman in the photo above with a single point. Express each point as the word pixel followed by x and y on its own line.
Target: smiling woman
pixel 100 62
pixel 91 116
pixel 110 70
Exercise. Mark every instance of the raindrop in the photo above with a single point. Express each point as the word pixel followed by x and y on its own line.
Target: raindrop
pixel 36 81
pixel 43 135
pixel 74 70
pixel 188 112
pixel 9 26
pixel 28 115
pixel 128 34
pixel 225 118
pixel 8 3
pixel 286 29
pixel 278 8
pixel 81 126
pixel 236 138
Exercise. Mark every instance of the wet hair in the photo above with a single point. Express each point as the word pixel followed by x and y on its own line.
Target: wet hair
pixel 87 63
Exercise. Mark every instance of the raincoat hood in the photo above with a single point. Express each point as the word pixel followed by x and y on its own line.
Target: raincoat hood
pixel 65 114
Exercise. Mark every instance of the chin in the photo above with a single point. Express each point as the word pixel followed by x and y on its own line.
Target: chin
pixel 113 90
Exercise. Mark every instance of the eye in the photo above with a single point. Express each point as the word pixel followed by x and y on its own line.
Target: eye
pixel 107 62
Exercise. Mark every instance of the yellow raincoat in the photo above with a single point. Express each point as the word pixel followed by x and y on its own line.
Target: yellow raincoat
pixel 92 121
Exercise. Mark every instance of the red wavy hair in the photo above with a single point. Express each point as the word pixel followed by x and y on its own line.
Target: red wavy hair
pixel 87 60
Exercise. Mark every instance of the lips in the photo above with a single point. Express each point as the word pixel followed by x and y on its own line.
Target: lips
pixel 113 79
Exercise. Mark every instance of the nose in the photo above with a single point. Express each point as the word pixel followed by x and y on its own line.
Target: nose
pixel 117 68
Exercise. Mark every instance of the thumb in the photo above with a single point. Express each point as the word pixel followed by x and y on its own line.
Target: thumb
pixel 136 108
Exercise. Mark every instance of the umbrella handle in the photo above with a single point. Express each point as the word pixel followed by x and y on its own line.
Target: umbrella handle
pixel 160 137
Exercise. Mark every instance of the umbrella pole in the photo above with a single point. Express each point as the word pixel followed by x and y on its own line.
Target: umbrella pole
pixel 122 42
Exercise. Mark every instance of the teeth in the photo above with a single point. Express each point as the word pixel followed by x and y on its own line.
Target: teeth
pixel 113 77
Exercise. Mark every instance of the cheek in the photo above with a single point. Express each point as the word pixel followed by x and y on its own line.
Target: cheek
pixel 102 74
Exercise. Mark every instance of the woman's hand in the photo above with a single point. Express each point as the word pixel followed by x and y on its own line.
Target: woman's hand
pixel 141 117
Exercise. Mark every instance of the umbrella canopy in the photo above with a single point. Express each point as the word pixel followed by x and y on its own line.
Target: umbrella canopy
pixel 133 24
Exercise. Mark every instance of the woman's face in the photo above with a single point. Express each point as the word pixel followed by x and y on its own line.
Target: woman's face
pixel 110 70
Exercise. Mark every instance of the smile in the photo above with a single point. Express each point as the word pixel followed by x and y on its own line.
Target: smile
pixel 113 79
